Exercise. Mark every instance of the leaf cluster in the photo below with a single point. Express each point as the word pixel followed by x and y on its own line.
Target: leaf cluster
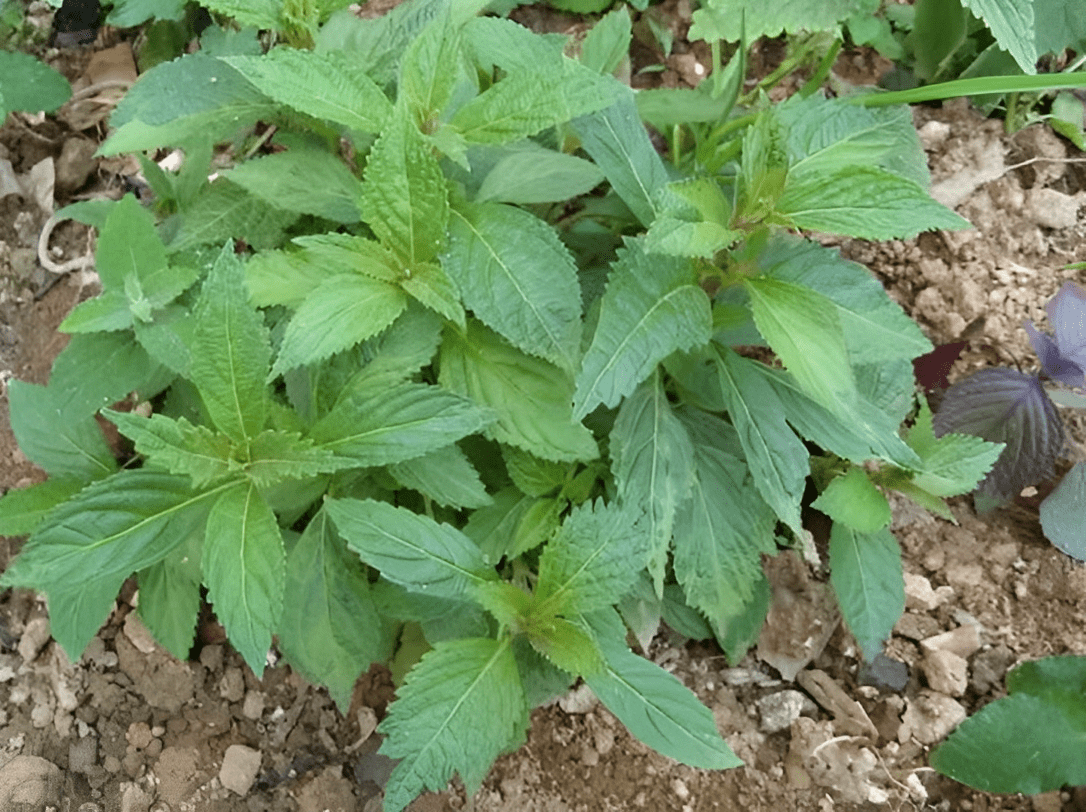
pixel 450 355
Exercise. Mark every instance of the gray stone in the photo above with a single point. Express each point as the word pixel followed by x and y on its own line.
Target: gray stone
pixel 35 636
pixel 239 768
pixel 29 783
pixel 929 718
pixel 779 710
pixel 83 754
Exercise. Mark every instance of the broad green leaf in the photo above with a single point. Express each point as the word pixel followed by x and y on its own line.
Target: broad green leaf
pixel 738 629
pixel 566 645
pixel 1058 25
pixel 128 245
pixel 875 327
pixel 64 444
pixel 330 85
pixel 593 560
pixel 510 46
pixel 776 456
pixel 410 549
pixel 953 463
pixel 460 707
pixel 231 352
pixel 108 310
pixel 824 136
pixel 244 567
pixel 429 284
pixel 398 353
pixel 404 198
pixel 513 524
pixel 28 84
pixel 130 13
pixel 532 475
pixel 431 68
pixel 608 42
pixel 115 526
pixel 78 610
pixel 129 366
pixel 169 338
pixel 255 13
pixel 866 574
pixel 309 181
pixel 278 456
pixel 653 463
pixel 333 630
pixel 177 445
pixel 731 20
pixel 617 142
pixel 651 308
pixel 169 597
pixel 1029 742
pixel 1013 26
pixel 526 102
pixel 784 313
pixel 854 501
pixel 384 426
pixel 686 621
pixel 23 509
pixel 444 475
pixel 531 397
pixel 865 202
pixel 721 532
pixel 652 704
pixel 195 96
pixel 224 211
pixel 340 312
pixel 529 173
pixel 694 219
pixel 517 278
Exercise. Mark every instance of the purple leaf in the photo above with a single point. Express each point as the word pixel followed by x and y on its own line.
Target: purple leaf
pixel 1006 406
pixel 931 370
pixel 1064 359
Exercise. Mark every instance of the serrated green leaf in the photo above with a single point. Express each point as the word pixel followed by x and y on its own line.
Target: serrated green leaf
pixel 617 142
pixel 517 278
pixel 431 67
pixel 128 245
pixel 231 352
pixel 652 704
pixel 278 456
pixel 108 310
pixel 309 181
pixel 429 284
pixel 224 211
pixel 653 464
pixel 333 630
pixel 332 85
pixel 257 13
pixel 460 707
pixel 444 475
pixel 23 509
pixel 1063 518
pixel 528 173
pixel 177 445
pixel 28 84
pixel 130 369
pixel 342 311
pixel 505 44
pixel 195 96
pixel 524 103
pixel 514 523
pixel 951 464
pixel 866 574
pixel 410 549
pixel 170 597
pixel 875 327
pixel 169 338
pixel 733 19
pixel 865 202
pixel 375 427
pixel 397 354
pixel 244 567
pixel 608 42
pixel 115 526
pixel 694 220
pixel 531 397
pixel 819 361
pixel 854 501
pixel 77 611
pixel 593 559
pixel 532 475
pixel 721 532
pixel 64 445
pixel 566 645
pixel 651 308
pixel 404 198
pixel 776 456
pixel 1013 26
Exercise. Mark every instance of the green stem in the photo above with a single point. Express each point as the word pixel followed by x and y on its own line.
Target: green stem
pixel 970 87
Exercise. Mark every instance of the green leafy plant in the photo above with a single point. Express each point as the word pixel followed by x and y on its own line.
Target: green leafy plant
pixel 1028 742
pixel 448 354
pixel 30 85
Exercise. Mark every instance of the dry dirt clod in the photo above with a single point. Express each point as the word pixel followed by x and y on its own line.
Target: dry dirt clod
pixel 28 784
pixel 239 768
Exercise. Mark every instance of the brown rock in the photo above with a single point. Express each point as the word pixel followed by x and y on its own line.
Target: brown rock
pixel 29 783
pixel 945 672
pixel 929 718
pixel 239 768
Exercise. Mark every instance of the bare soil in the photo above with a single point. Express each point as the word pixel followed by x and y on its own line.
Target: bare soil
pixel 128 727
